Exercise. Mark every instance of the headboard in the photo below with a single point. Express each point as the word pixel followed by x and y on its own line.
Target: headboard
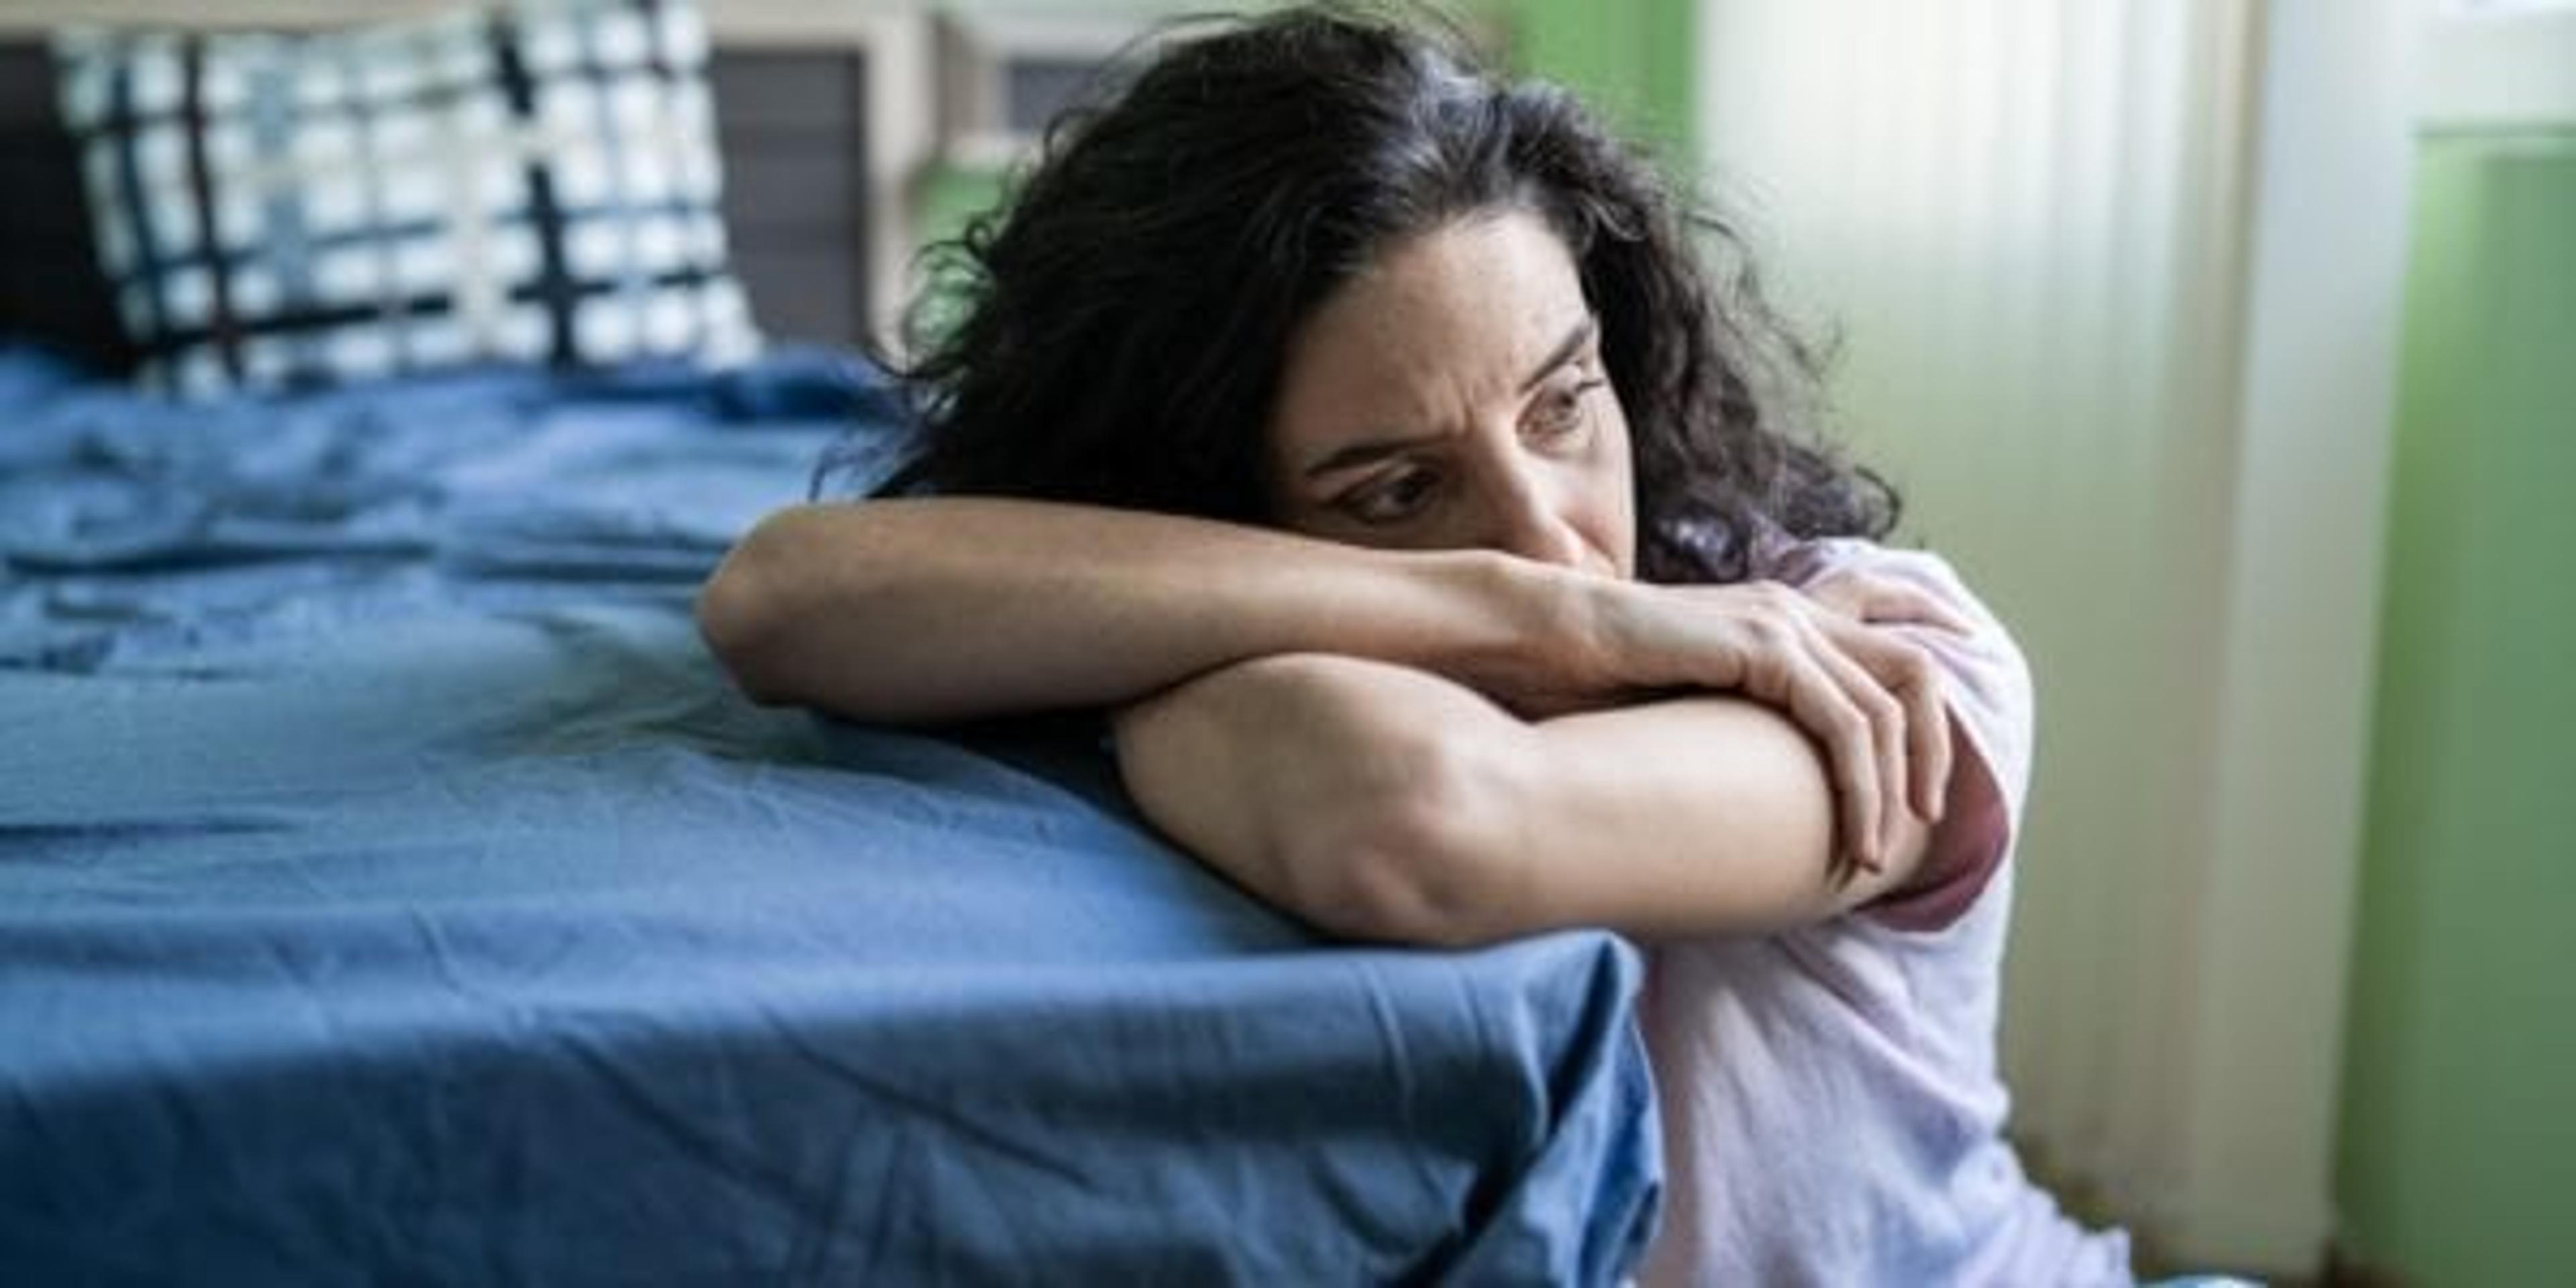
pixel 823 117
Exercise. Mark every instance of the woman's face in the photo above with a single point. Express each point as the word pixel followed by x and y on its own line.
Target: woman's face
pixel 1452 395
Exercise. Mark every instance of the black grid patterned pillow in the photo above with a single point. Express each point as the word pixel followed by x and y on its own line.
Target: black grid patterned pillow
pixel 531 182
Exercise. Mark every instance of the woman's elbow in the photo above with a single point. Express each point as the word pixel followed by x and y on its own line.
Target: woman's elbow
pixel 744 611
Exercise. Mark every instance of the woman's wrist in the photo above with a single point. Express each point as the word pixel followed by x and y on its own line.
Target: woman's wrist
pixel 1543 640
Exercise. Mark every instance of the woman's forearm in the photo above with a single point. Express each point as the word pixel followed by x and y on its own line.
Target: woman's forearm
pixel 1382 803
pixel 951 608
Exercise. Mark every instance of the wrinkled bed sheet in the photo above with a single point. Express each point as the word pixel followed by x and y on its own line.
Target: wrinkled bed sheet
pixel 391 889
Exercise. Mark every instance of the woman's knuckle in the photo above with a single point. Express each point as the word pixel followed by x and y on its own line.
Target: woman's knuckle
pixel 1772 634
pixel 1849 726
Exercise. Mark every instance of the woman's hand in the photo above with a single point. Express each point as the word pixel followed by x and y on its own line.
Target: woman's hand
pixel 1826 657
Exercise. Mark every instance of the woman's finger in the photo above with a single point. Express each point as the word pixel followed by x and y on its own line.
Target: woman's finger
pixel 1822 705
pixel 1908 674
pixel 1886 727
pixel 1927 724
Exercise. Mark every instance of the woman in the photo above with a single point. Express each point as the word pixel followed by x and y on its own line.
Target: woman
pixel 1364 434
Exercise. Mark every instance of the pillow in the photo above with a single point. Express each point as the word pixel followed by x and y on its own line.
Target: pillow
pixel 529 182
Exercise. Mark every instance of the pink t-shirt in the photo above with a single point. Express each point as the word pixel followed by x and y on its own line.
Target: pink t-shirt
pixel 1831 1108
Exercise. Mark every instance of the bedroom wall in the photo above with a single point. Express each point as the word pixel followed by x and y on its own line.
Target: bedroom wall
pixel 2456 1148
pixel 1632 58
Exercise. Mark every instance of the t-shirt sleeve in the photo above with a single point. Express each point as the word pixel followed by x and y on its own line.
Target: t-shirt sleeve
pixel 1988 690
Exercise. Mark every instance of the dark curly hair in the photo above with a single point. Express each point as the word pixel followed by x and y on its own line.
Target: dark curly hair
pixel 1121 326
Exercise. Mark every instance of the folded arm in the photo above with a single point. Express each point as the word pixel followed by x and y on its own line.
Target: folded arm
pixel 1381 802
pixel 956 608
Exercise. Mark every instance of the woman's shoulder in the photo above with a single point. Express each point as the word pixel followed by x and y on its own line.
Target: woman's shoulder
pixel 1805 562
pixel 1811 562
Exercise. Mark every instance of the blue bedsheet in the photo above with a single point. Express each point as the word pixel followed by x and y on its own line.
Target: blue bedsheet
pixel 392 890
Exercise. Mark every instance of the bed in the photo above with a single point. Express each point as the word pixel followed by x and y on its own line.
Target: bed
pixel 392 888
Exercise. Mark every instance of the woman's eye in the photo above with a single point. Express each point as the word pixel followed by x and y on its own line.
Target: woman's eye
pixel 1562 411
pixel 1392 499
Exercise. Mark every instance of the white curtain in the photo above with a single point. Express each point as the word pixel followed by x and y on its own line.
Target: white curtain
pixel 2026 220
pixel 2118 282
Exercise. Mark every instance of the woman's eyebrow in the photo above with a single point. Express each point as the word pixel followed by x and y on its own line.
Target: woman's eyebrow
pixel 1362 453
pixel 1565 349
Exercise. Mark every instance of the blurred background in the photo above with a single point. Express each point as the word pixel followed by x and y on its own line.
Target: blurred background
pixel 2229 348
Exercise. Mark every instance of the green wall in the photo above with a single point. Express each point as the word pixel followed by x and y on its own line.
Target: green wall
pixel 2458 1139
pixel 1630 58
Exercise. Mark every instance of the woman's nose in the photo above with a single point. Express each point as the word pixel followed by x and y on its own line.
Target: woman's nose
pixel 1526 520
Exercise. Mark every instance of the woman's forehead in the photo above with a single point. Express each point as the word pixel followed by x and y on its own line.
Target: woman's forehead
pixel 1471 309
